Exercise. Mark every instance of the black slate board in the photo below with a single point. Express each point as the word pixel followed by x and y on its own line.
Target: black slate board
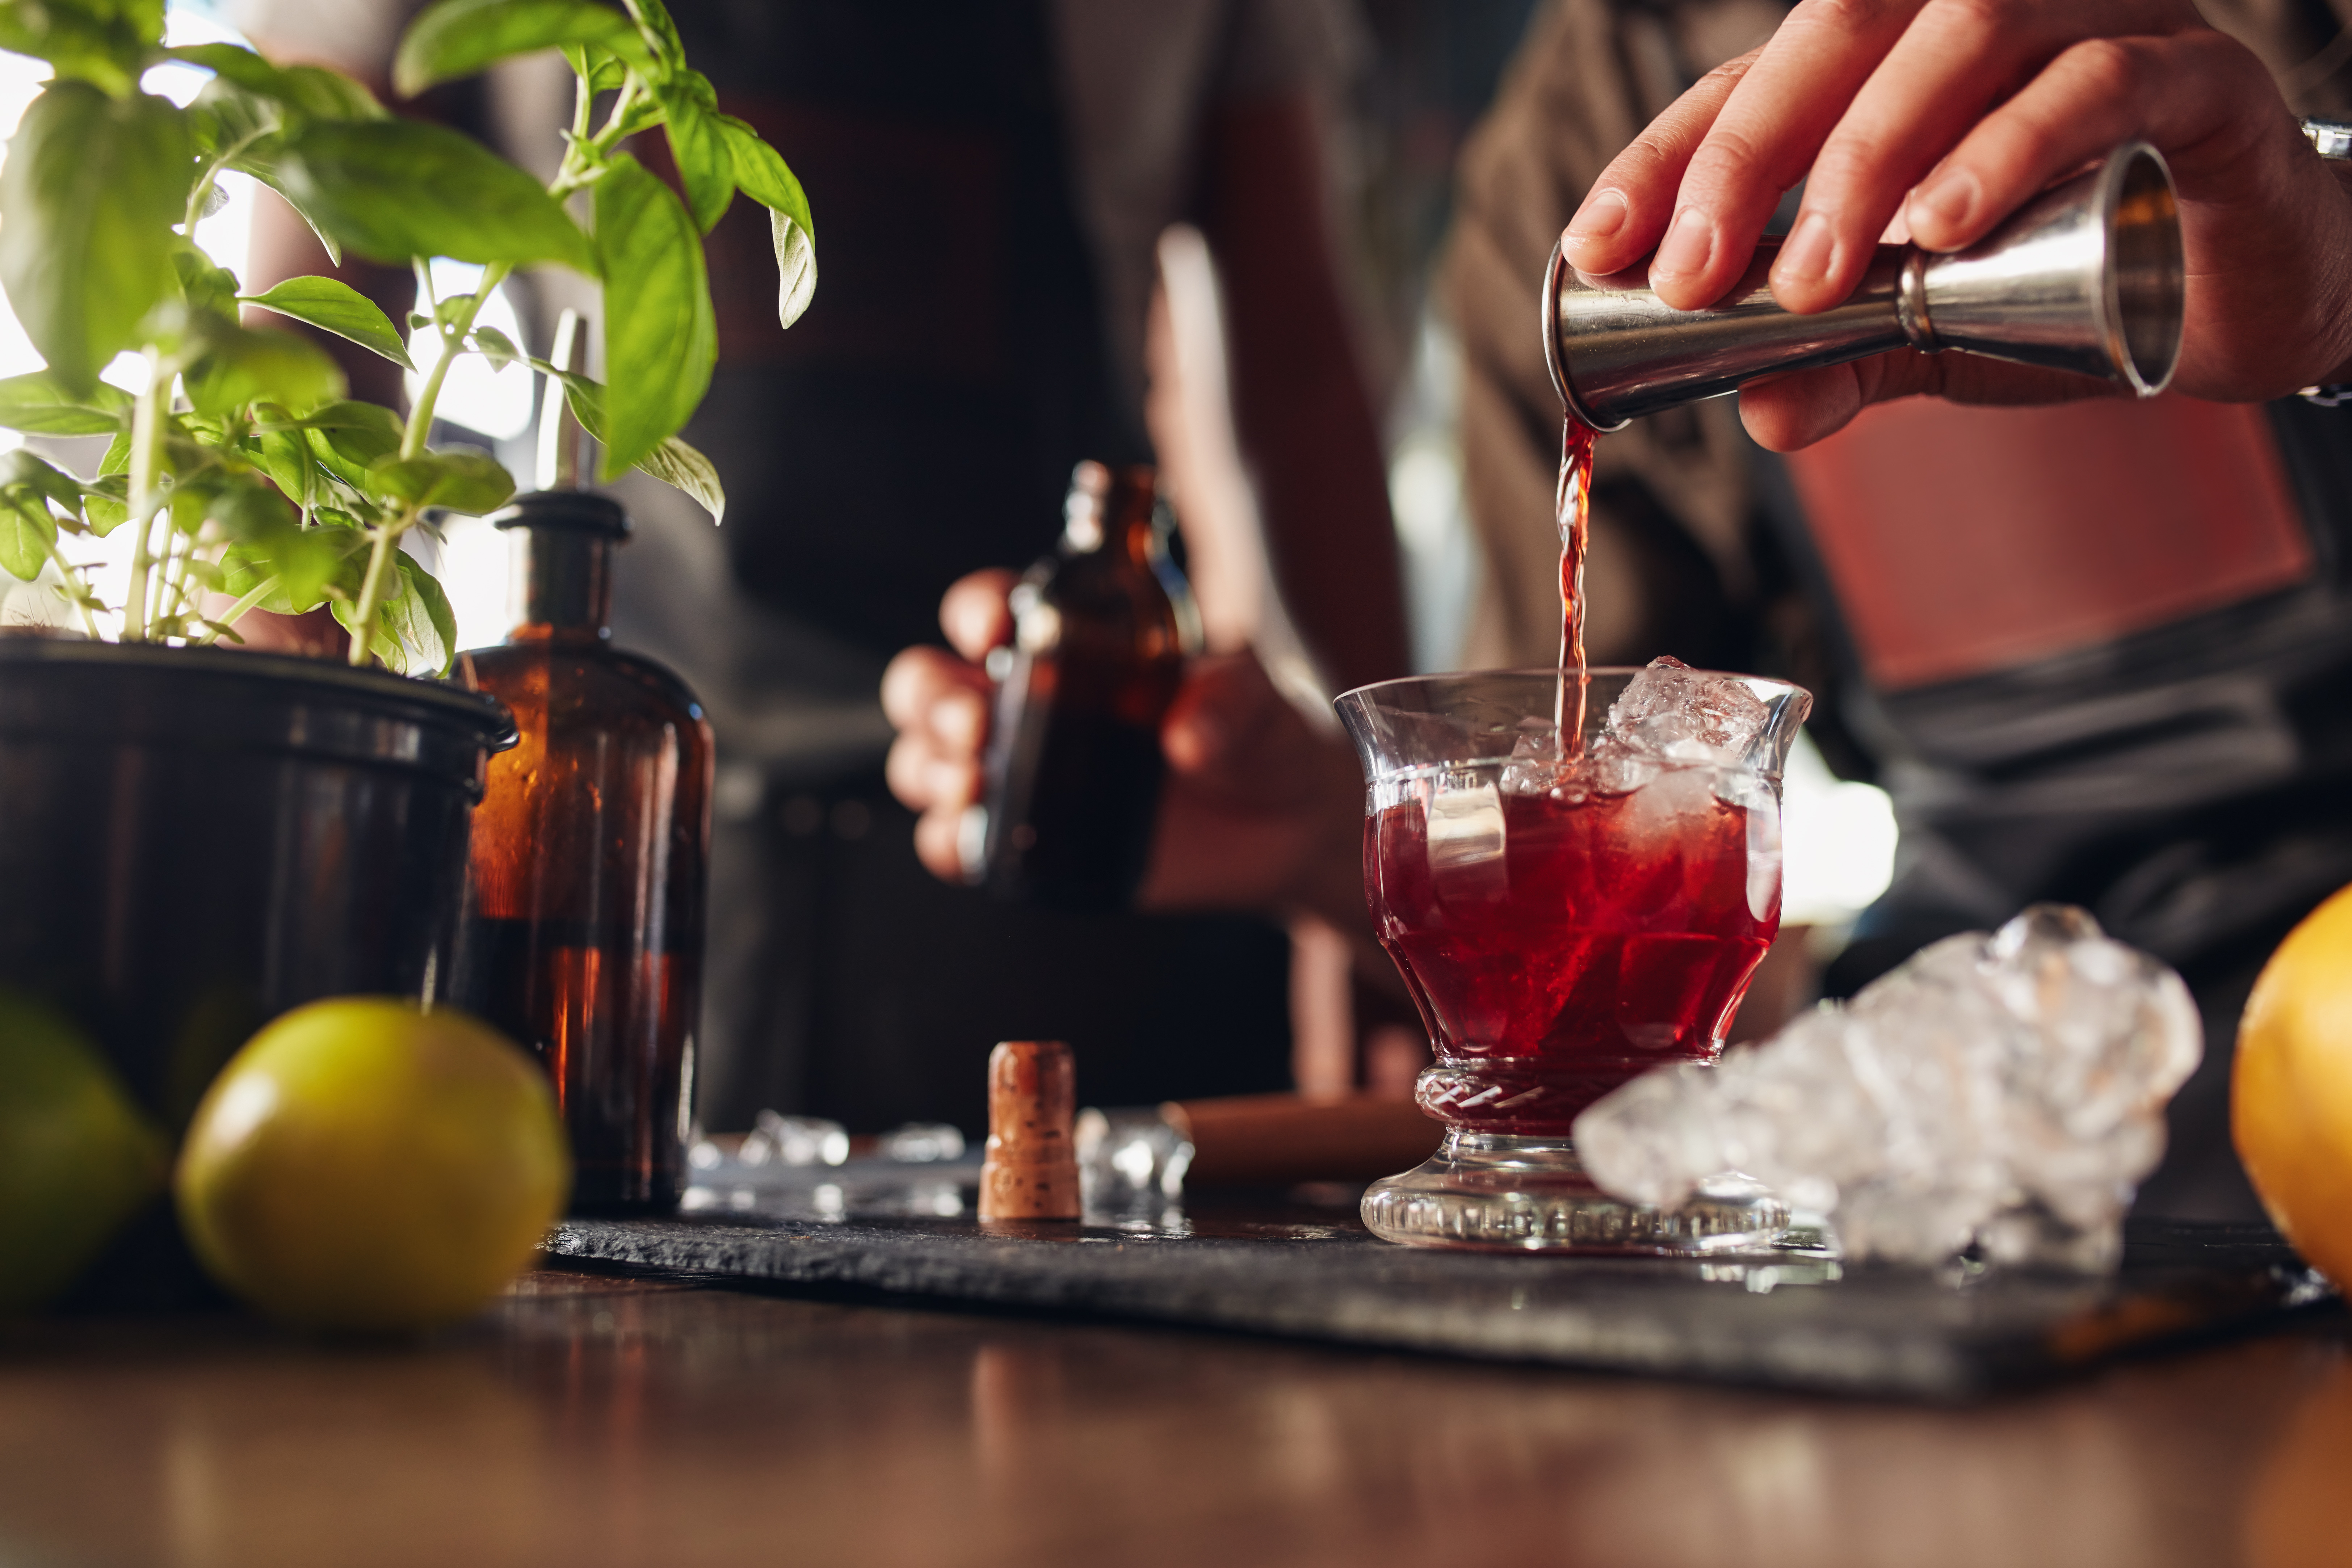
pixel 1799 1322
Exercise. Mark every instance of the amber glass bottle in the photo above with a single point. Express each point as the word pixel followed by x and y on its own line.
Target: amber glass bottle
pixel 1102 627
pixel 584 936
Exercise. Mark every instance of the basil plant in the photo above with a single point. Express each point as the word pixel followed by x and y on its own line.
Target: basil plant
pixel 247 477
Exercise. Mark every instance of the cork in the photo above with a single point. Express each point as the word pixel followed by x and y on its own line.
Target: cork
pixel 1030 1167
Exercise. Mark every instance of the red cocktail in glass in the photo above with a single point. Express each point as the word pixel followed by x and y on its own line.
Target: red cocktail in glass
pixel 1567 917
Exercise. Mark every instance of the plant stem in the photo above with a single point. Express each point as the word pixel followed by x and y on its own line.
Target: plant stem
pixel 235 613
pixel 203 187
pixel 452 338
pixel 146 460
pixel 171 585
pixel 66 570
pixel 385 539
pixel 631 91
pixel 583 114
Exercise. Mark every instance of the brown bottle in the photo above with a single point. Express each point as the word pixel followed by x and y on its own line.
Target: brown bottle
pixel 1102 627
pixel 584 936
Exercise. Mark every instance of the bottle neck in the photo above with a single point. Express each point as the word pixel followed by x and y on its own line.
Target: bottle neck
pixel 562 585
pixel 1117 512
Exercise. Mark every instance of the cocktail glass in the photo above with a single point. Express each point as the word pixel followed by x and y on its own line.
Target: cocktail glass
pixel 1565 925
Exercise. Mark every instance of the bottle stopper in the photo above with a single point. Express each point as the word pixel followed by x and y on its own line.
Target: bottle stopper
pixel 1030 1167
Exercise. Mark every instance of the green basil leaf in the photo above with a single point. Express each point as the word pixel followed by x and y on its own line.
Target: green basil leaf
pixel 20 470
pixel 661 336
pixel 669 52
pixel 312 564
pixel 39 405
pixel 405 638
pixel 261 159
pixel 600 69
pixel 89 194
pixel 325 94
pixel 143 18
pixel 27 532
pixel 698 145
pixel 81 46
pixel 282 453
pixel 683 468
pixel 206 288
pixel 340 309
pixel 224 116
pixel 311 91
pixel 767 179
pixel 249 512
pixel 107 504
pixel 496 347
pixel 458 37
pixel 395 189
pixel 240 365
pixel 795 267
pixel 190 500
pixel 426 628
pixel 673 462
pixel 349 439
pixel 470 482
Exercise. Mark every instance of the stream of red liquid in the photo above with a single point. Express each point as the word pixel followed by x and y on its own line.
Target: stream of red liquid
pixel 1572 502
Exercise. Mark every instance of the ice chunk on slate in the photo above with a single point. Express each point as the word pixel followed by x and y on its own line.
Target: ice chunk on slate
pixel 1687 715
pixel 2004 1091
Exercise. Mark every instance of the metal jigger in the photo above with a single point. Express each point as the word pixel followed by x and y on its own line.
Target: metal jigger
pixel 2088 278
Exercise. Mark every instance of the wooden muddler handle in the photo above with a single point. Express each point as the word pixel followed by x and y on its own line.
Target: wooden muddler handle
pixel 1030 1167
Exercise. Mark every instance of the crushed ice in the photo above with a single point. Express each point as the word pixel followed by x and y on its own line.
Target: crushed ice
pixel 2001 1092
pixel 1687 715
pixel 1668 716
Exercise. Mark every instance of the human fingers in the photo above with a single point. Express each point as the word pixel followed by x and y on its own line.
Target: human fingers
pixel 1764 139
pixel 974 614
pixel 939 844
pixel 1626 210
pixel 2182 92
pixel 1787 412
pixel 925 779
pixel 1957 57
pixel 929 691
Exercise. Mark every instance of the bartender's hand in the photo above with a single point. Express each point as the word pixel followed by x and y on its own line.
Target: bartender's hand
pixel 1259 811
pixel 1949 114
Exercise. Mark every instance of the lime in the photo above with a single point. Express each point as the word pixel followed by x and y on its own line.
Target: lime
pixel 77 1158
pixel 363 1164
pixel 2291 1088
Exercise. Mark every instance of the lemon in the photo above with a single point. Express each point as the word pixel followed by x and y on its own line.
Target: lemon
pixel 77 1159
pixel 2290 1089
pixel 363 1164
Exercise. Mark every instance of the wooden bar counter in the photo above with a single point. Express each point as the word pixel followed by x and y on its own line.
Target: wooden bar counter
pixel 594 1418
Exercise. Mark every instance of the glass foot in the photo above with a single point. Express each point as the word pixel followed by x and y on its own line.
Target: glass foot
pixel 1505 1193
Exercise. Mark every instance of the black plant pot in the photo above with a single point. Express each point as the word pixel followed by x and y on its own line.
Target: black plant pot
pixel 193 841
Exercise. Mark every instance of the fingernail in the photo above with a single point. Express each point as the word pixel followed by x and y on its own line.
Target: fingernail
pixel 1806 253
pixel 1948 195
pixel 1687 246
pixel 1603 215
